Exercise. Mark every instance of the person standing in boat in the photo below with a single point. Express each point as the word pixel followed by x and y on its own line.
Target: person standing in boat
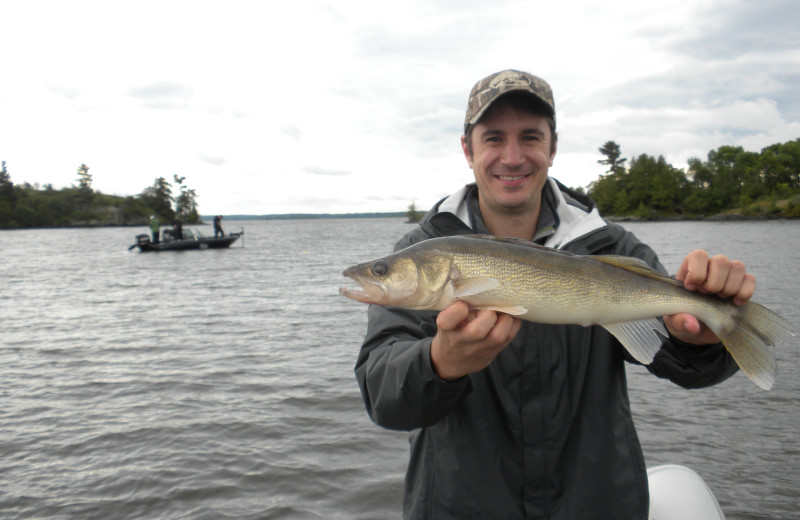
pixel 154 228
pixel 177 229
pixel 218 226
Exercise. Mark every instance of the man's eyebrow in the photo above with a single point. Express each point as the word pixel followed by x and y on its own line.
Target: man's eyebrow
pixel 496 131
pixel 534 130
pixel 491 131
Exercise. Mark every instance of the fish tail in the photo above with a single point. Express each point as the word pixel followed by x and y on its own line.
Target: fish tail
pixel 750 333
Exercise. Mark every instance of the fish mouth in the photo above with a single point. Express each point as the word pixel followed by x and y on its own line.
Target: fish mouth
pixel 368 292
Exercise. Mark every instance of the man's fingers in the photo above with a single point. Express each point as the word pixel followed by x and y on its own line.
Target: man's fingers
pixel 717 276
pixel 734 280
pixel 746 291
pixel 473 341
pixel 683 323
pixel 493 328
pixel 737 283
pixel 693 270
pixel 507 327
pixel 482 324
pixel 451 317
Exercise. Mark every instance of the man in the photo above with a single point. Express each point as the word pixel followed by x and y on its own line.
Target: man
pixel 154 228
pixel 521 420
pixel 177 228
pixel 218 227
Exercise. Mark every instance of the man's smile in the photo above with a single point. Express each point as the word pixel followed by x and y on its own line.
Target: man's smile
pixel 512 179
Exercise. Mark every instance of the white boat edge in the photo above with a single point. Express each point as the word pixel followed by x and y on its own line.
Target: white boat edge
pixel 678 493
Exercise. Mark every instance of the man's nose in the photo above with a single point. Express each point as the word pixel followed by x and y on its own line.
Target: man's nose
pixel 512 154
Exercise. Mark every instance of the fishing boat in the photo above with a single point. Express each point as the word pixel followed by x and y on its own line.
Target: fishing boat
pixel 191 239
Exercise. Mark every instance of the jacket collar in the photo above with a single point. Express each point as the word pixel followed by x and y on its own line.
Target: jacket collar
pixel 574 219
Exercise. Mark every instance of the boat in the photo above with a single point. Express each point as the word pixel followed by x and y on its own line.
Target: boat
pixel 192 239
pixel 678 493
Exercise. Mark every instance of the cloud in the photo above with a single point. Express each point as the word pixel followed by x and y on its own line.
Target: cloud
pixel 292 131
pixel 163 95
pixel 726 30
pixel 66 92
pixel 315 170
pixel 216 161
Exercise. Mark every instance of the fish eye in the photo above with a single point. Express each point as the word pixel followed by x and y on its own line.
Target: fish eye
pixel 380 268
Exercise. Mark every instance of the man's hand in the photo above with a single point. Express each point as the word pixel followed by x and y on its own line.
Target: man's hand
pixel 468 341
pixel 716 275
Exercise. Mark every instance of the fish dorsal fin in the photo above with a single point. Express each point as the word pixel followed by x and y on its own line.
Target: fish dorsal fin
pixel 474 285
pixel 506 240
pixel 635 265
pixel 516 242
pixel 640 338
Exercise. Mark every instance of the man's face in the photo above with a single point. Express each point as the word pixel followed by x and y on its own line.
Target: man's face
pixel 510 159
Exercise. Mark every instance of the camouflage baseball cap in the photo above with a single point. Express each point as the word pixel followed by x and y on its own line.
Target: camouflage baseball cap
pixel 490 89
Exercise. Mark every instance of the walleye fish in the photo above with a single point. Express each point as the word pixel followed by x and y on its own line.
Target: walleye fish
pixel 622 294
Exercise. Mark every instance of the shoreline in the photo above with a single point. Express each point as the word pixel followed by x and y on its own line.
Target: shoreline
pixel 780 210
pixel 713 218
pixel 612 218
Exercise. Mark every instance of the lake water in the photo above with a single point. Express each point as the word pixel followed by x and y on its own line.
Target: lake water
pixel 219 384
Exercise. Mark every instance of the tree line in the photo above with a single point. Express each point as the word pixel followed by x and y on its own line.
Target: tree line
pixel 28 206
pixel 729 179
pixel 766 182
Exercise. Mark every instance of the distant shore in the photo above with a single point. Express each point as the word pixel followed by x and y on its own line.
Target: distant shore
pixel 774 210
pixel 308 216
pixel 780 210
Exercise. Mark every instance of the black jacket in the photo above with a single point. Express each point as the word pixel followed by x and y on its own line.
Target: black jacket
pixel 545 431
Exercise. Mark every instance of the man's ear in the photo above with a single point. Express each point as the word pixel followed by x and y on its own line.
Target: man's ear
pixel 465 148
pixel 555 148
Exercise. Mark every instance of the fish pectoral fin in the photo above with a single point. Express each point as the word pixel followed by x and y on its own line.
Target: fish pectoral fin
pixel 640 338
pixel 472 286
pixel 514 311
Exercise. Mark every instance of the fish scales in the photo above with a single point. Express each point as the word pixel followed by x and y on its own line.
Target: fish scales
pixel 563 288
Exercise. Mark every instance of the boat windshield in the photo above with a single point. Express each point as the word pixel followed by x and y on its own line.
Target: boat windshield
pixel 188 234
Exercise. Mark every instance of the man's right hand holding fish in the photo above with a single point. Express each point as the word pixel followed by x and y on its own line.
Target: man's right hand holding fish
pixel 467 341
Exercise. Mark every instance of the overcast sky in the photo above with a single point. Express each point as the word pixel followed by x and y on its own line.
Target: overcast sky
pixel 358 105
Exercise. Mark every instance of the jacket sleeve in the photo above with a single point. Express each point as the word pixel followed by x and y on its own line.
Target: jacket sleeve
pixel 401 391
pixel 693 366
pixel 687 365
